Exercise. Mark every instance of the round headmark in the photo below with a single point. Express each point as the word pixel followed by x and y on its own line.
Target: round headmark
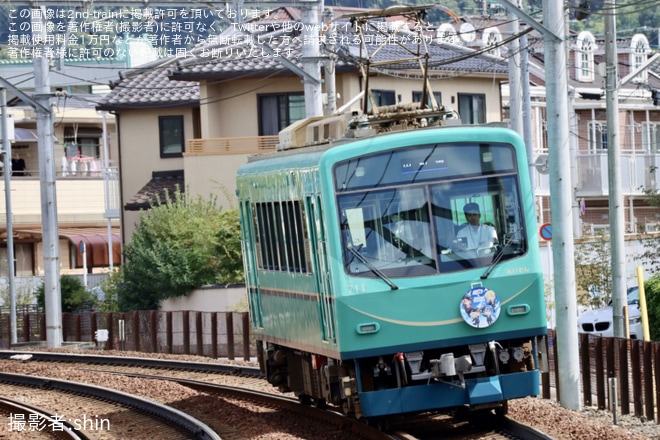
pixel 480 307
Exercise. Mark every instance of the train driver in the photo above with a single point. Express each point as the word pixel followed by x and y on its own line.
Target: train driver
pixel 475 235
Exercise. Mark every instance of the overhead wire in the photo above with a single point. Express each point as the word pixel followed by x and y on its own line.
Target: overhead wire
pixel 482 51
pixel 620 9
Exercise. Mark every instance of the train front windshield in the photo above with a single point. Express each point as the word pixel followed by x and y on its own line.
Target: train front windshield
pixel 428 209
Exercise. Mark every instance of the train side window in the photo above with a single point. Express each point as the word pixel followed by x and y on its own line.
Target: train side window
pixel 281 236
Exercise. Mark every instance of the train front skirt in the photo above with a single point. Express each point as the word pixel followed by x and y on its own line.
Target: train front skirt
pixel 437 395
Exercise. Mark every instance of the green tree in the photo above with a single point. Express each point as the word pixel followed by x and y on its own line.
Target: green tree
pixel 73 293
pixel 652 293
pixel 593 272
pixel 23 295
pixel 651 242
pixel 178 245
pixel 110 288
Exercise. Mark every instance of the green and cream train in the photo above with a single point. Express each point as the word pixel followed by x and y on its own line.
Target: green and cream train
pixel 368 288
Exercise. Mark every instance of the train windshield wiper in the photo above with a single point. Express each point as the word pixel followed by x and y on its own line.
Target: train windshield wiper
pixel 499 255
pixel 371 267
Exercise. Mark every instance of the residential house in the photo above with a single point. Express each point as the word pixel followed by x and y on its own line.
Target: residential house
pixel 85 155
pixel 85 182
pixel 193 121
pixel 639 128
pixel 639 123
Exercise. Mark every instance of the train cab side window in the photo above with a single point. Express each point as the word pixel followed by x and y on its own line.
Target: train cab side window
pixel 281 236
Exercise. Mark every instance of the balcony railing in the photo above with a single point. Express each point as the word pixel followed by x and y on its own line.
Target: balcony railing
pixel 638 172
pixel 231 145
pixel 83 196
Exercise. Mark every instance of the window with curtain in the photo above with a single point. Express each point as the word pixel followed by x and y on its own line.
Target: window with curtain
pixel 417 97
pixel 472 108
pixel 651 137
pixel 170 131
pixel 585 57
pixel 597 136
pixel 279 110
pixel 83 141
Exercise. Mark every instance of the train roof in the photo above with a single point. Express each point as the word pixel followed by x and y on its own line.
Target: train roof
pixel 310 155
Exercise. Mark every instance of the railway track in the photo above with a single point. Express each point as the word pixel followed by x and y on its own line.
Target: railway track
pixel 123 410
pixel 181 373
pixel 41 424
pixel 129 361
pixel 480 425
pixel 201 376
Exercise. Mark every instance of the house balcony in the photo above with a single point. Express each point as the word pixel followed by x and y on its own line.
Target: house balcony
pixel 639 172
pixel 82 199
pixel 231 145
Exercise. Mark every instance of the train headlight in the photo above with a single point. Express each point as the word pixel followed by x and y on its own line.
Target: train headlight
pixel 518 354
pixel 504 356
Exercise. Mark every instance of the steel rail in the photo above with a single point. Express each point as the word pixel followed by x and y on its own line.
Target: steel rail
pixel 130 361
pixel 522 431
pixel 193 428
pixel 42 418
pixel 327 415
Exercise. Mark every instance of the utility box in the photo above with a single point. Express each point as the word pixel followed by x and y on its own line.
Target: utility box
pixel 101 335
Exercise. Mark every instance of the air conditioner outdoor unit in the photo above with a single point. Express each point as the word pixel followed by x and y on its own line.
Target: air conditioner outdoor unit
pixel 596 229
pixel 652 227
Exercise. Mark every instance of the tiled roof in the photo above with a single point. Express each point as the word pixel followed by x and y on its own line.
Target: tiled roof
pixel 161 185
pixel 173 82
pixel 241 57
pixel 149 86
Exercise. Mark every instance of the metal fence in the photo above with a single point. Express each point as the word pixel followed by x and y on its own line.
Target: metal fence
pixel 631 365
pixel 210 334
pixel 634 365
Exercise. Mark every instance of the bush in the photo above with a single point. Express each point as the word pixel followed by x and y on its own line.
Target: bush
pixel 652 293
pixel 178 246
pixel 74 296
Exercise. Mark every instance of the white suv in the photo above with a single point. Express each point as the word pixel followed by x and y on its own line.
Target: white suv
pixel 599 322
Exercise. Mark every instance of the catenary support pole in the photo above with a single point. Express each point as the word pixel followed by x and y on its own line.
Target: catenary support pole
pixel 311 57
pixel 6 148
pixel 616 205
pixel 561 191
pixel 515 86
pixel 527 104
pixel 49 223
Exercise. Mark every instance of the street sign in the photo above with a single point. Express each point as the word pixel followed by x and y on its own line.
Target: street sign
pixel 545 231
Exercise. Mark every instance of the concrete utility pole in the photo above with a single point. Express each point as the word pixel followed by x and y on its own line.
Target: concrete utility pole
pixel 311 57
pixel 561 193
pixel 310 13
pixel 527 104
pixel 515 87
pixel 329 76
pixel 6 148
pixel 616 206
pixel 49 223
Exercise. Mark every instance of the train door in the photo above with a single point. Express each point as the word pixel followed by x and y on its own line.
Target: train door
pixel 250 264
pixel 320 266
